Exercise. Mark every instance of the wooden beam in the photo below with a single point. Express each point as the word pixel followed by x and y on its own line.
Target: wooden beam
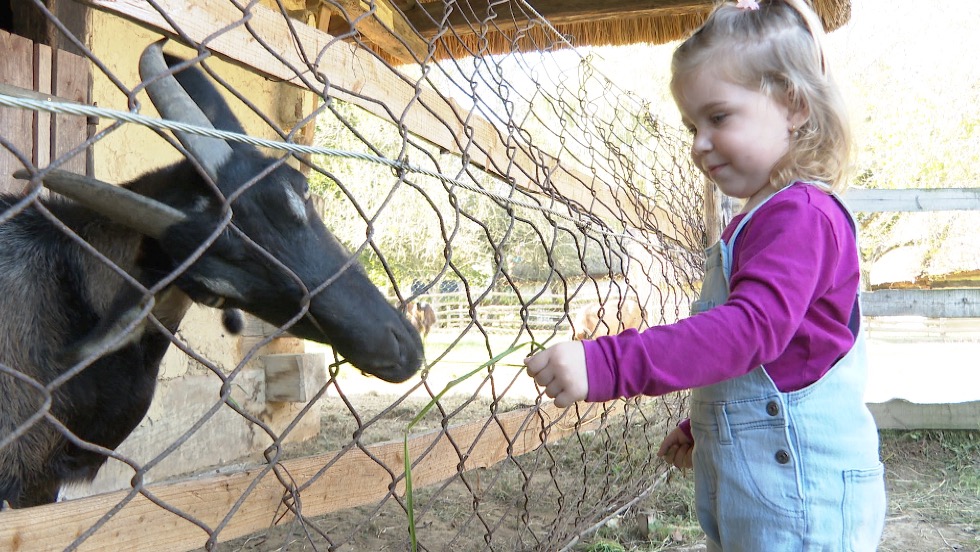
pixel 385 26
pixel 293 5
pixel 329 482
pixel 466 18
pixel 902 414
pixel 930 303
pixel 359 77
pixel 912 200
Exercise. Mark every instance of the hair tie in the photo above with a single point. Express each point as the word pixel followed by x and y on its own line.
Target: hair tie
pixel 747 4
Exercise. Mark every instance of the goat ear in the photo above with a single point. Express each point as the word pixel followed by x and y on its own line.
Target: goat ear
pixel 233 320
pixel 146 216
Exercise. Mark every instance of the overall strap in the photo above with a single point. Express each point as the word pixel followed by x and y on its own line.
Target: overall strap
pixel 854 323
pixel 728 253
pixel 729 247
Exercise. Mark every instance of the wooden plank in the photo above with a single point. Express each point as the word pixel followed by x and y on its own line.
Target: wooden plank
pixel 940 199
pixel 74 16
pixel 354 478
pixel 43 121
pixel 357 76
pixel 930 303
pixel 70 82
pixel 16 125
pixel 902 414
pixel 385 26
pixel 425 17
pixel 929 329
pixel 27 93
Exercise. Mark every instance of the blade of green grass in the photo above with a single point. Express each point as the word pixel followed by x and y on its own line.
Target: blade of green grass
pixel 409 493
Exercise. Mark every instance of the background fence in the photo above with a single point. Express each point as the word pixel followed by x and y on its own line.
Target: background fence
pixel 943 325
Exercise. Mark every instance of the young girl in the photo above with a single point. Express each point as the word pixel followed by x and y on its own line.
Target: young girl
pixel 786 454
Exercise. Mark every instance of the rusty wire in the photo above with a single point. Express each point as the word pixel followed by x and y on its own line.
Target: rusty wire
pixel 544 254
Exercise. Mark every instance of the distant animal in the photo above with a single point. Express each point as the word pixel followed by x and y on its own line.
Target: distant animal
pixel 79 355
pixel 422 316
pixel 615 318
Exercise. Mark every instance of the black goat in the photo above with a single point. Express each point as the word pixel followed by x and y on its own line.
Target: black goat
pixel 77 348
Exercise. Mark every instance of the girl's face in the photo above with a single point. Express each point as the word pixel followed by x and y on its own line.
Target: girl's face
pixel 739 134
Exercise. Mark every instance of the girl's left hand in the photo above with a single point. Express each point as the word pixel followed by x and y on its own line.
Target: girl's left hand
pixel 677 449
pixel 560 369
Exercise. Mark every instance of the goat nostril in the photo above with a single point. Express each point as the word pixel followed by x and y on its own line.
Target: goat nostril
pixel 409 347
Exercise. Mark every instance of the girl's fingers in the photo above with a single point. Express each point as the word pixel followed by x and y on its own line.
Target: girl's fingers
pixel 686 458
pixel 536 363
pixel 554 388
pixel 545 379
pixel 531 367
pixel 564 400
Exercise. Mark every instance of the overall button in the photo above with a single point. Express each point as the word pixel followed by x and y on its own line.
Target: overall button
pixel 772 408
pixel 782 456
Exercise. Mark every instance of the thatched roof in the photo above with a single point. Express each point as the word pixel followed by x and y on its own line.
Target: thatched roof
pixel 478 27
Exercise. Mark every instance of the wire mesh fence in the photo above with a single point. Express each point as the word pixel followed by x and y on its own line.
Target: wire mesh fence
pixel 504 201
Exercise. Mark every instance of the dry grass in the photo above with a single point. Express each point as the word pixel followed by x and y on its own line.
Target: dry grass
pixel 933 480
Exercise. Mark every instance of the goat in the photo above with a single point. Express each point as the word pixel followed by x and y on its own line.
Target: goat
pixel 614 319
pixel 422 316
pixel 79 351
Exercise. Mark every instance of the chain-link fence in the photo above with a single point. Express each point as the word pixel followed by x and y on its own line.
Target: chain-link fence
pixel 504 201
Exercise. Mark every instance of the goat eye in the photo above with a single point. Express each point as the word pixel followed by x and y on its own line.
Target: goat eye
pixel 307 193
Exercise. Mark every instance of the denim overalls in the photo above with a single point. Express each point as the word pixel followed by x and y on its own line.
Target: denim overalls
pixel 779 471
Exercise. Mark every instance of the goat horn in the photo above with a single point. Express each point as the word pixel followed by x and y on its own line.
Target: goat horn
pixel 173 102
pixel 145 215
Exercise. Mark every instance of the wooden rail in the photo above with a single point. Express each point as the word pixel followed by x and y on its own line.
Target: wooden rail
pixel 355 477
pixel 957 304
pixel 913 200
pixel 931 303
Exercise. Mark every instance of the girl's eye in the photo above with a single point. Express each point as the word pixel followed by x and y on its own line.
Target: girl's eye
pixel 718 118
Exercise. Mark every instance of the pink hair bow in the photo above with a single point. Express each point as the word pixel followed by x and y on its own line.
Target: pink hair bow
pixel 747 4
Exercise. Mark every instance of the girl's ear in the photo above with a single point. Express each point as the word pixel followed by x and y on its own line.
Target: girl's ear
pixel 799 110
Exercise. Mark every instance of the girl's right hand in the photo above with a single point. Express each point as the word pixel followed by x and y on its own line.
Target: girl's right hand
pixel 677 449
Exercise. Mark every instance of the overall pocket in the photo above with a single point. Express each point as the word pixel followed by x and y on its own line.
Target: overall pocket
pixel 864 508
pixel 768 468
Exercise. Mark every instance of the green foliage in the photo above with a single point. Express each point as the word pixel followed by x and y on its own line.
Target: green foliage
pixel 387 215
pixel 412 226
pixel 605 546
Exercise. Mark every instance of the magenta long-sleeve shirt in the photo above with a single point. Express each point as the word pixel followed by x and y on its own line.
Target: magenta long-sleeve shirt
pixel 795 274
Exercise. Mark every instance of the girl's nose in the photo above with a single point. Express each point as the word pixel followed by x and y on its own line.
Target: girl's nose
pixel 701 144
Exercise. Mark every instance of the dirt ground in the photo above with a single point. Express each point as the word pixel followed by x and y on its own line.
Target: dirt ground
pixel 933 483
pixel 934 491
pixel 536 501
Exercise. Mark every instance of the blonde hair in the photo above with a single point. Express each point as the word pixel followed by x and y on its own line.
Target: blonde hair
pixel 778 49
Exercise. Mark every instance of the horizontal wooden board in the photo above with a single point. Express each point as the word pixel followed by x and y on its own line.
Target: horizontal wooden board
pixel 930 303
pixel 902 414
pixel 329 482
pixel 913 200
